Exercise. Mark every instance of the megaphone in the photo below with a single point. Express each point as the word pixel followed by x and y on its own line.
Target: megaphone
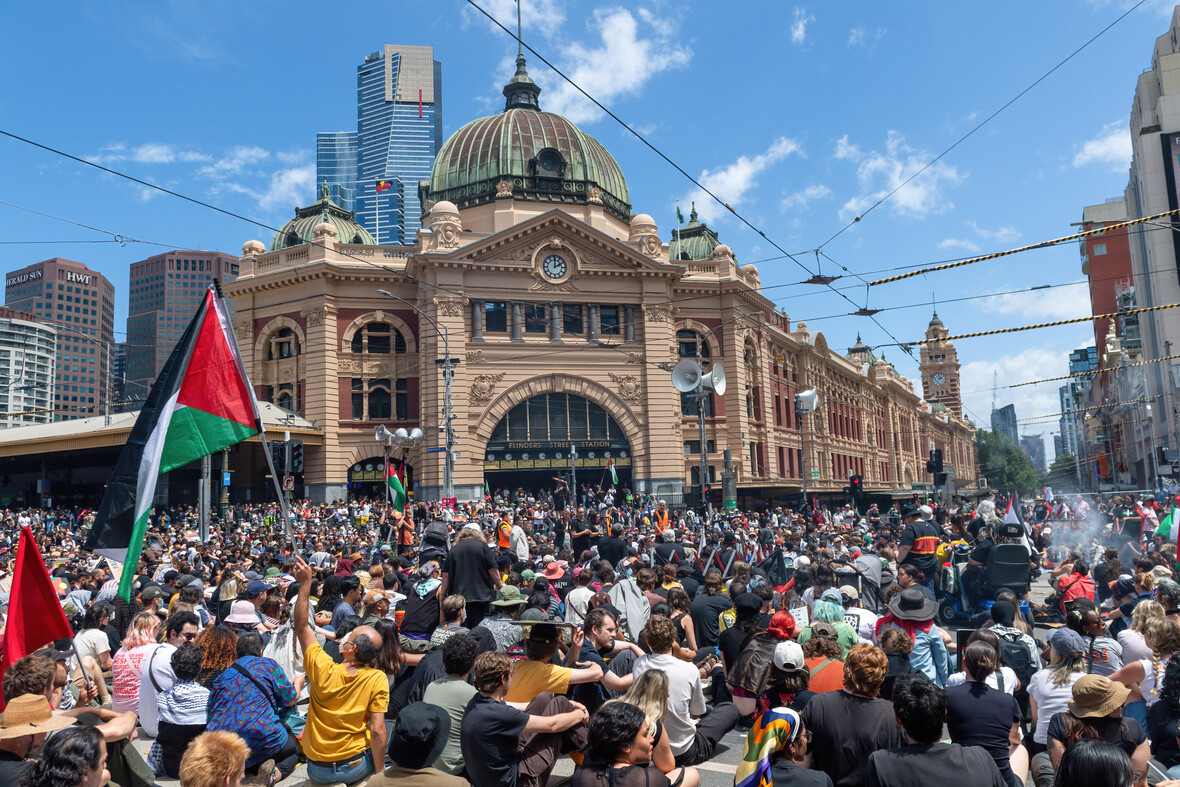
pixel 416 435
pixel 383 435
pixel 686 376
pixel 807 401
pixel 716 379
pixel 400 435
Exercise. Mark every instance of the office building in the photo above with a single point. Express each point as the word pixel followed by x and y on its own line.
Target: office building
pixel 375 171
pixel 119 378
pixel 1067 439
pixel 80 304
pixel 28 360
pixel 563 309
pixel 1033 446
pixel 1004 423
pixel 163 294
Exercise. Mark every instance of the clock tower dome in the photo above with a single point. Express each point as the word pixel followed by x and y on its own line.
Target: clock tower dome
pixel 940 368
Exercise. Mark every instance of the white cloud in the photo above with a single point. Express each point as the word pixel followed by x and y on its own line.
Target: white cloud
pixel 1054 303
pixel 732 181
pixel 959 243
pixel 845 150
pixel 541 16
pixel 859 36
pixel 799 26
pixel 802 199
pixel 619 65
pixel 879 173
pixel 1000 235
pixel 1111 146
pixel 147 153
pixel 286 189
pixel 234 162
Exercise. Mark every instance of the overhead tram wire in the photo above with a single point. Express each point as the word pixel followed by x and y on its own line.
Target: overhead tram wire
pixel 672 163
pixel 981 124
pixel 1095 372
pixel 1141 400
pixel 1041 245
pixel 116 237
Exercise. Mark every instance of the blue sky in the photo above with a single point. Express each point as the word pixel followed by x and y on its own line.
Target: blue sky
pixel 798 115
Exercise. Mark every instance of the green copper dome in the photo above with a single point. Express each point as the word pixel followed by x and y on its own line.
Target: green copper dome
pixel 537 156
pixel 693 241
pixel 301 229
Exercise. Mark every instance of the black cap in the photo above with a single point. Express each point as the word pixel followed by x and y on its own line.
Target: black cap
pixel 419 735
pixel 543 632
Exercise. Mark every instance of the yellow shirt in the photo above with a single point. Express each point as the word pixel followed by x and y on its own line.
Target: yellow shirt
pixel 530 678
pixel 338 715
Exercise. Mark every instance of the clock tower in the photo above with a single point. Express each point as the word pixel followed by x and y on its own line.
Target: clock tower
pixel 940 368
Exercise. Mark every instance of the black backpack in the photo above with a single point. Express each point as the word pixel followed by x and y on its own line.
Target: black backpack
pixel 1015 656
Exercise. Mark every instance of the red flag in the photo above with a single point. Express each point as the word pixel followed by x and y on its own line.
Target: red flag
pixel 35 616
pixel 383 185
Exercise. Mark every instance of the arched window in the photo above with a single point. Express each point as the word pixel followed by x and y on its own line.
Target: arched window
pixel 285 401
pixel 379 338
pixel 283 344
pixel 686 345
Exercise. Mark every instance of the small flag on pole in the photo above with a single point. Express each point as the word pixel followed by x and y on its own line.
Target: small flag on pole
pixel 679 215
pixel 1169 528
pixel 610 465
pixel 383 185
pixel 396 487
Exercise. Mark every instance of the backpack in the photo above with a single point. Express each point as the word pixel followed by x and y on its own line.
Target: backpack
pixel 1015 656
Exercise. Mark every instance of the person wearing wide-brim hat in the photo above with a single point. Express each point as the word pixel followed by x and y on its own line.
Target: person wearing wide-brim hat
pixel 1096 711
pixel 507 607
pixel 913 611
pixel 26 721
pixel 418 740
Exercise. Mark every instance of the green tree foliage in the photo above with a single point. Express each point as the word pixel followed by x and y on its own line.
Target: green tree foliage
pixel 1063 475
pixel 1004 465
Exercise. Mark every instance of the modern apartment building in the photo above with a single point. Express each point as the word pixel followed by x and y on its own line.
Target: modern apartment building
pixel 28 350
pixel 80 304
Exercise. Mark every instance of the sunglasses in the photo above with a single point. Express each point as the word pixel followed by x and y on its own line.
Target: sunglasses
pixel 189 637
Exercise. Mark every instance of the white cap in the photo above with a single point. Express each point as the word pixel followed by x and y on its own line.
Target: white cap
pixel 788 656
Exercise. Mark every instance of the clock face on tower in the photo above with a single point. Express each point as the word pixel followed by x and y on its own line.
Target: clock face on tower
pixel 554 266
pixel 938 379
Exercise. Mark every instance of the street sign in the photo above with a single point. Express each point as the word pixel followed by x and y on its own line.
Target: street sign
pixel 439 450
pixel 815 474
pixel 225 478
pixel 288 483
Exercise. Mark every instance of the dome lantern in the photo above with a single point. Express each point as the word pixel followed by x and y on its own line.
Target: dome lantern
pixel 307 225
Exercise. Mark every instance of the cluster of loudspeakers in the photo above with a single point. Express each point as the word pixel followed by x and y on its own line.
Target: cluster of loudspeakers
pixel 687 376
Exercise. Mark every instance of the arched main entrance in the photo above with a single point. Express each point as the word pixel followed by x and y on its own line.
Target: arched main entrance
pixel 530 446
pixel 366 478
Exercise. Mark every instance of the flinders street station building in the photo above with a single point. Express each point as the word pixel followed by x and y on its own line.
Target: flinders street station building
pixel 563 311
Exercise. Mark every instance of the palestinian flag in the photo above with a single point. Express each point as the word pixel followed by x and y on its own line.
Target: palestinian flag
pixel 201 403
pixel 397 490
pixel 610 466
pixel 1169 527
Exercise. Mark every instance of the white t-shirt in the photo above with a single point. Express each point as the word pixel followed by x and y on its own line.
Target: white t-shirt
pixel 685 697
pixel 161 670
pixel 577 603
pixel 993 680
pixel 1050 699
pixel 91 642
pixel 865 623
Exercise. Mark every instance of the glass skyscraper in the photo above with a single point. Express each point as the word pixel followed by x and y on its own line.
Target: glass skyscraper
pixel 376 169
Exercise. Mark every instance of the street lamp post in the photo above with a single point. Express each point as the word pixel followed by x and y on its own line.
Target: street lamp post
pixel 446 362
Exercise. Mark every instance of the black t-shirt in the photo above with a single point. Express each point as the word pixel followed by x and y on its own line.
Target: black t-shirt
pixel 983 548
pixel 599 775
pixel 787 773
pixel 579 543
pixel 730 644
pixel 13 768
pixel 592 695
pixel 468 565
pixel 489 737
pixel 847 729
pixel 1124 733
pixel 670 552
pixel 922 539
pixel 1160 726
pixel 933 763
pixel 773 698
pixel 704 612
pixel 612 550
pixel 978 715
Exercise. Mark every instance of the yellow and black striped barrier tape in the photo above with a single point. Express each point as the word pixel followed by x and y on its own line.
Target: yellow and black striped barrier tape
pixel 1091 318
pixel 1041 245
pixel 1096 371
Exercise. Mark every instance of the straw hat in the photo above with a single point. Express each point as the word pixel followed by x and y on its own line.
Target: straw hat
pixel 30 714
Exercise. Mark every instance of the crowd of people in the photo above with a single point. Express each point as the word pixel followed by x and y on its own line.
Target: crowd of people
pixel 485 644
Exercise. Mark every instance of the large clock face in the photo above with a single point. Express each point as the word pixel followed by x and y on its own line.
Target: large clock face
pixel 939 379
pixel 554 266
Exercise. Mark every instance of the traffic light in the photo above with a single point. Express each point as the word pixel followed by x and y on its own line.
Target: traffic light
pixel 935 463
pixel 278 457
pixel 940 480
pixel 296 452
pixel 856 485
